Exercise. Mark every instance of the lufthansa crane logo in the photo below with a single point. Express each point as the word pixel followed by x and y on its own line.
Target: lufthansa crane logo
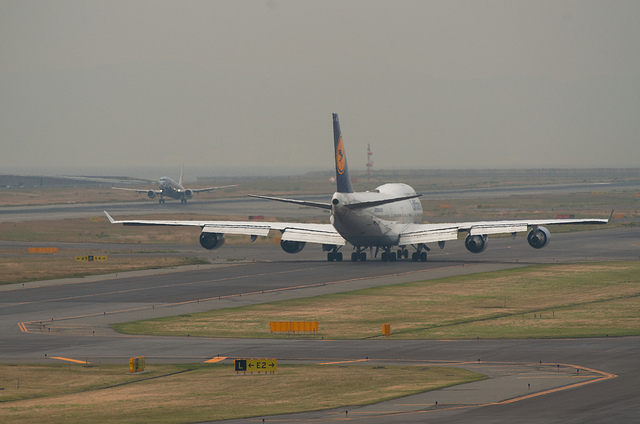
pixel 340 158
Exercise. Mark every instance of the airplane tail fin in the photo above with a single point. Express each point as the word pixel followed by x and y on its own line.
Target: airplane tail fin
pixel 181 173
pixel 342 171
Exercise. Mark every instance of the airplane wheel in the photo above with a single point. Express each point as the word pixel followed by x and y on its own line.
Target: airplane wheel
pixel 414 256
pixel 423 256
pixel 405 253
pixel 354 257
pixel 338 257
pixel 363 256
pixel 392 257
pixel 384 257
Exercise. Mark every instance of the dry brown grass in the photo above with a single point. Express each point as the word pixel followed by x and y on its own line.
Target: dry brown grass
pixel 59 393
pixel 83 230
pixel 493 305
pixel 17 266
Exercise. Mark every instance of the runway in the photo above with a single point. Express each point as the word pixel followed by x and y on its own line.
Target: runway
pixel 70 319
pixel 218 204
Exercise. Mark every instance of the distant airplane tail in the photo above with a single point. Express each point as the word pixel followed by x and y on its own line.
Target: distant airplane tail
pixel 342 171
pixel 181 174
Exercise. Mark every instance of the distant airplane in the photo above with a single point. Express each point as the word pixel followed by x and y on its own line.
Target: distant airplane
pixel 388 218
pixel 169 188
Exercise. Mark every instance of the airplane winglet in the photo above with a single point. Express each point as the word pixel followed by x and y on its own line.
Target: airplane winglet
pixel 111 220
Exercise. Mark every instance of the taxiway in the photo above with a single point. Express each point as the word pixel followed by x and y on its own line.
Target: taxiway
pixel 70 319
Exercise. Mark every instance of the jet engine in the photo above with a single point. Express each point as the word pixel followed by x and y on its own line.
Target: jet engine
pixel 538 237
pixel 476 244
pixel 211 240
pixel 188 193
pixel 151 194
pixel 290 246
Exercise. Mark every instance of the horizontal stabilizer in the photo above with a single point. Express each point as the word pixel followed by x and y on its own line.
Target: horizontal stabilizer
pixel 294 201
pixel 363 205
pixel 199 190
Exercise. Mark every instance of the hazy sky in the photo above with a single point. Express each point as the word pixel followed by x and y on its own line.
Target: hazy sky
pixel 248 87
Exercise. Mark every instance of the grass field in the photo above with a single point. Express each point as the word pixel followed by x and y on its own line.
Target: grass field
pixel 17 266
pixel 546 301
pixel 63 393
pixel 83 230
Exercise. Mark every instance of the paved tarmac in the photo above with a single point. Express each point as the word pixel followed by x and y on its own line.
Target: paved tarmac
pixel 530 380
pixel 218 204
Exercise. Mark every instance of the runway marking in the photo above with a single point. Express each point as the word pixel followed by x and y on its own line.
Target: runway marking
pixel 214 360
pixel 343 362
pixel 604 376
pixel 551 377
pixel 75 361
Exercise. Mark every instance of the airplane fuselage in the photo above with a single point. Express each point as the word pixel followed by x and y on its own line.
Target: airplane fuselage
pixel 170 188
pixel 377 225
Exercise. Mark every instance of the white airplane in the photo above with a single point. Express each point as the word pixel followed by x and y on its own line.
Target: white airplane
pixel 388 218
pixel 169 188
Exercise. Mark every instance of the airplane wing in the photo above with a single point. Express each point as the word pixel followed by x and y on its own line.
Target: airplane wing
pixel 291 231
pixel 199 190
pixel 429 233
pixel 138 190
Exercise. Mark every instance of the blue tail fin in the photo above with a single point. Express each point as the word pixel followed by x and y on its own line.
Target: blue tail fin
pixel 342 171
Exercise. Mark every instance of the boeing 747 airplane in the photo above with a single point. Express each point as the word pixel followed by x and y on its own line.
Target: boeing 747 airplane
pixel 169 188
pixel 388 218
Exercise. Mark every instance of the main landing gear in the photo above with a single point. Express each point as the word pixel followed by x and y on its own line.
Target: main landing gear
pixel 359 255
pixel 388 255
pixel 333 254
pixel 420 255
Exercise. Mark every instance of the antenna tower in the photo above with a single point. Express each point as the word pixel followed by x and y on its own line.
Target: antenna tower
pixel 369 162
